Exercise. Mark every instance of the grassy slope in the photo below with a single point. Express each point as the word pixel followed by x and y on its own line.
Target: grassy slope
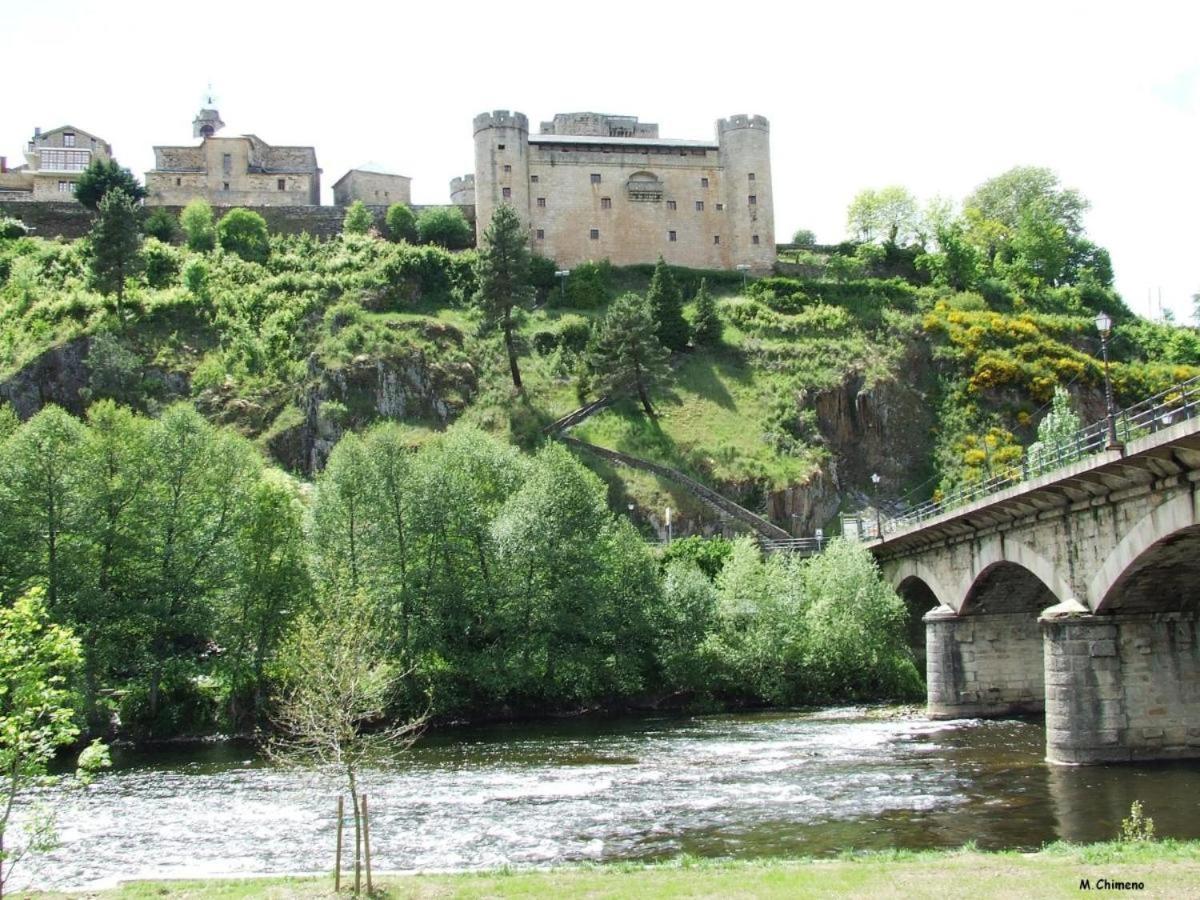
pixel 1168 869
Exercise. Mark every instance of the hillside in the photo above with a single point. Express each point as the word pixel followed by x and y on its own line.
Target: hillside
pixel 825 374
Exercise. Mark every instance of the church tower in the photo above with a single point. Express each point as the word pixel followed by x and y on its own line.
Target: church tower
pixel 208 120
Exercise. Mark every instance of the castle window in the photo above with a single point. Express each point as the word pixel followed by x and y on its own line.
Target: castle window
pixel 225 186
pixel 178 182
pixel 499 146
pixel 606 202
pixel 750 177
pixel 753 200
pixel 703 182
pixel 281 184
pixel 595 178
pixel 68 139
pixel 671 236
pixel 699 206
pixel 506 193
pixel 594 234
pixel 507 169
pixel 720 207
pixel 227 164
pixel 533 178
pixel 670 204
pixel 754 239
pixel 541 234
pixel 541 201
pixel 716 239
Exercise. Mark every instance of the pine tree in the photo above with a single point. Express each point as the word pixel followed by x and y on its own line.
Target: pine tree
pixel 116 244
pixel 666 305
pixel 626 354
pixel 708 326
pixel 503 273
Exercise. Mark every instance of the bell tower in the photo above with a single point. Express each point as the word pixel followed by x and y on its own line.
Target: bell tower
pixel 208 120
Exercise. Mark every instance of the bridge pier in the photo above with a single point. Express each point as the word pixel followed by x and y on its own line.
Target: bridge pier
pixel 1122 687
pixel 983 665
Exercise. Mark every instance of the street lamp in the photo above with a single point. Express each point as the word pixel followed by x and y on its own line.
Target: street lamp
pixel 668 524
pixel 743 268
pixel 561 275
pixel 875 479
pixel 1104 326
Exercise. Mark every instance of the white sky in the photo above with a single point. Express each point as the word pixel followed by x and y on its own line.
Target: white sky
pixel 933 96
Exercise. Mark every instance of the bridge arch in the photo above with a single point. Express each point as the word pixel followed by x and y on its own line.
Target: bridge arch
pixel 922 593
pixel 1033 580
pixel 1156 565
pixel 910 572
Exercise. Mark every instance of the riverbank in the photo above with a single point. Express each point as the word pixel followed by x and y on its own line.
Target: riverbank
pixel 1161 869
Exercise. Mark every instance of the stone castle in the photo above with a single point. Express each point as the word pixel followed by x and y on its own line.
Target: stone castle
pixel 591 186
pixel 588 186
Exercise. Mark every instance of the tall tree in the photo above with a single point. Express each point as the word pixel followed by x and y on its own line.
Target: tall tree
pixel 889 215
pixel 502 270
pixel 626 354
pixel 116 245
pixel 707 328
pixel 102 176
pixel 666 308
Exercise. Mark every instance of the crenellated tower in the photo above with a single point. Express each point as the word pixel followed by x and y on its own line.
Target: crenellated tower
pixel 745 149
pixel 501 166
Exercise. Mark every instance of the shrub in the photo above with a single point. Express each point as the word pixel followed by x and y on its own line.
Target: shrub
pixel 12 228
pixel 196 220
pixel 195 278
pixel 541 276
pixel 244 232
pixel 444 226
pixel 358 219
pixel 401 223
pixel 545 342
pixel 161 262
pixel 162 225
pixel 574 333
pixel 708 554
pixel 587 285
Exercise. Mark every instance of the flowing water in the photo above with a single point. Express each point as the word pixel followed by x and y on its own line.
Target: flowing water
pixel 723 786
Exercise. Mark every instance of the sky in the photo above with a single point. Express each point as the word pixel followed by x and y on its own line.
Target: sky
pixel 933 96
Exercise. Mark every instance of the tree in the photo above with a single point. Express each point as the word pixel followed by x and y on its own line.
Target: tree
pixel 401 223
pixel 102 176
pixel 162 225
pixel 244 232
pixel 332 714
pixel 1006 197
pixel 804 238
pixel 37 661
pixel 666 307
pixel 116 242
pixel 358 219
pixel 889 215
pixel 502 271
pixel 626 354
pixel 444 226
pixel 196 220
pixel 1057 434
pixel 707 328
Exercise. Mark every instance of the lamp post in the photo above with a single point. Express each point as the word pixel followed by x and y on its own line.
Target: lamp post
pixel 743 268
pixel 561 275
pixel 1104 326
pixel 875 479
pixel 668 524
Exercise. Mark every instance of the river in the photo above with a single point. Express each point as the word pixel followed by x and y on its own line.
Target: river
pixel 640 788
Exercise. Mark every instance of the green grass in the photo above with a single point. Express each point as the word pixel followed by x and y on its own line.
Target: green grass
pixel 1167 869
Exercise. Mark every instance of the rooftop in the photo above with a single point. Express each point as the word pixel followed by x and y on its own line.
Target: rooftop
pixel 632 143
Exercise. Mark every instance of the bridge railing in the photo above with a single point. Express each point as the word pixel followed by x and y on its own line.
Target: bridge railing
pixel 806 546
pixel 1176 404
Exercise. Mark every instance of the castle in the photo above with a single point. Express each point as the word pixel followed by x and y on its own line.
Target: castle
pixel 591 186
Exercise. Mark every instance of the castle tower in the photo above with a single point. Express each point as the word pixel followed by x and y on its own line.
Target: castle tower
pixel 207 123
pixel 462 190
pixel 745 143
pixel 501 166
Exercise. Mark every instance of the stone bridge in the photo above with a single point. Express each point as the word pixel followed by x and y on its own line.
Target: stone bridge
pixel 1076 594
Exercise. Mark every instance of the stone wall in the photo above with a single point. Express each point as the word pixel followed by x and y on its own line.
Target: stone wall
pixel 372 188
pixel 234 171
pixel 985 665
pixel 72 220
pixel 1122 687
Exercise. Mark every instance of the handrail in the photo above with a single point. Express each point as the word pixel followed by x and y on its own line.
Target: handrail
pixel 1177 403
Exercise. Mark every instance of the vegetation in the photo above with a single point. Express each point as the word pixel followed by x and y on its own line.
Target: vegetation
pixel 444 226
pixel 244 232
pixel 161 225
pixel 666 307
pixel 401 223
pixel 358 219
pixel 196 220
pixel 116 240
pixel 707 327
pixel 102 176
pixel 625 355
pixel 502 272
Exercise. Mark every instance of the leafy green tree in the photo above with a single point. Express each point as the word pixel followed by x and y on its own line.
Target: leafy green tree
pixel 707 328
pixel 707 554
pixel 444 226
pixel 102 176
pixel 587 285
pixel 244 232
pixel 1007 197
pixel 1057 434
pixel 116 245
pixel 805 238
pixel 342 516
pixel 666 306
pixel 626 354
pixel 401 223
pixel 955 262
pixel 37 662
pixel 196 220
pixel 502 272
pixel 358 219
pixel 890 215
pixel 688 615
pixel 162 225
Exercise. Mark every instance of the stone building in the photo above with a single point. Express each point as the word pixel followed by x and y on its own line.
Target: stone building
pixel 462 190
pixel 593 186
pixel 241 170
pixel 374 186
pixel 53 163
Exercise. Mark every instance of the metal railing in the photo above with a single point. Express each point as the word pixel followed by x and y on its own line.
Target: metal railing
pixel 1166 408
pixel 806 546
